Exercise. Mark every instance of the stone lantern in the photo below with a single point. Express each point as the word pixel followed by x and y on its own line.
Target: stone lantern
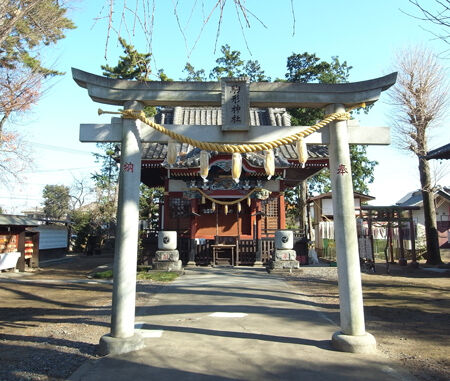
pixel 284 255
pixel 167 257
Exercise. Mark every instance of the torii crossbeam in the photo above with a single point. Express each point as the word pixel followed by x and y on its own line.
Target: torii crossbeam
pixel 131 133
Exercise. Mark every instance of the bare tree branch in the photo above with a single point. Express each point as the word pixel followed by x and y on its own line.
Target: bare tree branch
pixel 293 18
pixel 420 100
pixel 438 15
pixel 141 16
pixel 20 88
pixel 15 157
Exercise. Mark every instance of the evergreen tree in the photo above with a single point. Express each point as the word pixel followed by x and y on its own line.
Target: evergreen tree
pixel 106 181
pixel 133 65
pixel 194 75
pixel 27 25
pixel 253 71
pixel 308 68
pixel 56 201
pixel 109 171
pixel 362 173
pixel 230 64
pixel 149 201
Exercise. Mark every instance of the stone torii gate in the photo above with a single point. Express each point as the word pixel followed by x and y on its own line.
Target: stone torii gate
pixel 234 129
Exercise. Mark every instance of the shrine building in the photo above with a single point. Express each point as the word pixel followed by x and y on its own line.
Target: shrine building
pixel 246 212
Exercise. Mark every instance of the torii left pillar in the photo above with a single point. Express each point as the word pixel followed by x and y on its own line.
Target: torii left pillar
pixel 123 337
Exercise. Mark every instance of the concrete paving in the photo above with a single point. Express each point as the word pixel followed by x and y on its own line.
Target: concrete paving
pixel 237 324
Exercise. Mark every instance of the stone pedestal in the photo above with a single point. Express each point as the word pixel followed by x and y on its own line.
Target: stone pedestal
pixel 283 260
pixel 365 343
pixel 284 255
pixel 167 255
pixel 167 260
pixel 110 345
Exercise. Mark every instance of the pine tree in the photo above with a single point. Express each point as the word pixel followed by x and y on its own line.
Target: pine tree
pixel 133 65
pixel 27 25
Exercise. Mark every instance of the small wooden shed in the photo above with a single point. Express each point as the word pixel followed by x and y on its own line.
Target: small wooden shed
pixel 18 237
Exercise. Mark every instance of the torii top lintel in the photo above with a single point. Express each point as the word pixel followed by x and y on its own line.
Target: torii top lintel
pixel 262 94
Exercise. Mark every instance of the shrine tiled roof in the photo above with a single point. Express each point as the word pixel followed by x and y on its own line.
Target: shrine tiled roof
pixel 188 155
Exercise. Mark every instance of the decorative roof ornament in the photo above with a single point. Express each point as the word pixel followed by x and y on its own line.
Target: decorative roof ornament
pixel 236 166
pixel 204 165
pixel 269 163
pixel 263 194
pixel 302 152
pixel 171 152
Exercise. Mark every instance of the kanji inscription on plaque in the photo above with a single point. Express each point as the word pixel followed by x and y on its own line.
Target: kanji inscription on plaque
pixel 235 104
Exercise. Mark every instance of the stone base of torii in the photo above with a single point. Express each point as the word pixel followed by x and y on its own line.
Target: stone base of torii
pixel 352 336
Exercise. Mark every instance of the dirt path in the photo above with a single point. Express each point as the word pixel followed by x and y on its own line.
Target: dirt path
pixel 49 326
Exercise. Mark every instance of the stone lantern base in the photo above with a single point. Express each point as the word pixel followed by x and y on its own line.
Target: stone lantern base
pixel 167 260
pixel 283 260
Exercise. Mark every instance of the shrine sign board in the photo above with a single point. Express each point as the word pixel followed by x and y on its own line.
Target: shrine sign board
pixel 235 104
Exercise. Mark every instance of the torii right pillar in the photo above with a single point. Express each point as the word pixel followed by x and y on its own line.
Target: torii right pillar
pixel 353 336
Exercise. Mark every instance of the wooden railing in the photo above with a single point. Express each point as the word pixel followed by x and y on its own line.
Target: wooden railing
pixel 247 252
pixel 267 247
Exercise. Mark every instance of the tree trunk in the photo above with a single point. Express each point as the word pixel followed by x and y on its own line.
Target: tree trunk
pixel 429 211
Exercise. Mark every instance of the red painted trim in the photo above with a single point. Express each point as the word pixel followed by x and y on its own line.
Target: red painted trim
pixel 282 212
pixel 258 208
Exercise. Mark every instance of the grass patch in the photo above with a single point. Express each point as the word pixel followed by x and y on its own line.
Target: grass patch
pixel 157 276
pixel 141 268
pixel 108 274
pixel 161 276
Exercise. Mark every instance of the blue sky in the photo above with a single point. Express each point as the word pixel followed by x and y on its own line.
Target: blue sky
pixel 366 34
